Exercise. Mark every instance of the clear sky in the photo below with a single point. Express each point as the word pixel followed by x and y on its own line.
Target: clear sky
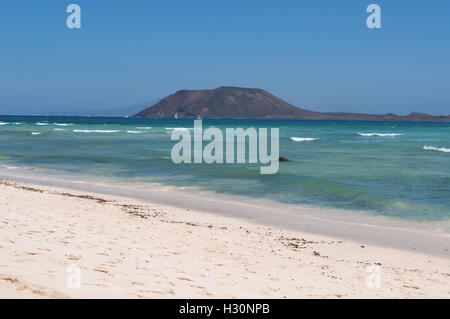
pixel 317 54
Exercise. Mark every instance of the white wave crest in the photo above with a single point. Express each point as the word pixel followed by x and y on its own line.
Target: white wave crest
pixel 304 139
pixel 179 128
pixel 144 127
pixel 135 132
pixel 439 149
pixel 62 124
pixel 59 129
pixel 96 131
pixel 4 123
pixel 35 133
pixel 380 134
pixel 42 124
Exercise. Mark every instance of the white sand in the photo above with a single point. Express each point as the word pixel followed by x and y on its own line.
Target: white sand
pixel 132 249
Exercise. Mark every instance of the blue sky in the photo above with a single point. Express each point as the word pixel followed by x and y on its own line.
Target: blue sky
pixel 314 54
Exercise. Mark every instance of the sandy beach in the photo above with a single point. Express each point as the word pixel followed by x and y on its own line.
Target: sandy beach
pixel 130 248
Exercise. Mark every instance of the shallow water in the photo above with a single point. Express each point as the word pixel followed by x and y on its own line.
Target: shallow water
pixel 399 170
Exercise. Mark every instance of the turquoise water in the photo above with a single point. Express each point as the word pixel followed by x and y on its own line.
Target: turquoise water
pixel 398 170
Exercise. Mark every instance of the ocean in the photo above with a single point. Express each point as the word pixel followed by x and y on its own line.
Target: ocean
pixel 394 170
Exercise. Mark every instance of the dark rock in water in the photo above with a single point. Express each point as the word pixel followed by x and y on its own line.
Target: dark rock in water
pixel 283 159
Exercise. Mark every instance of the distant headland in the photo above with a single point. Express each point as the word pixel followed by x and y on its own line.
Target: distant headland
pixel 247 103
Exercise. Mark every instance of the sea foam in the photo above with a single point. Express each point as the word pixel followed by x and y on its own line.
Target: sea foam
pixel 170 130
pixel 4 123
pixel 179 128
pixel 135 132
pixel 42 124
pixel 439 149
pixel 35 133
pixel 380 134
pixel 303 139
pixel 96 131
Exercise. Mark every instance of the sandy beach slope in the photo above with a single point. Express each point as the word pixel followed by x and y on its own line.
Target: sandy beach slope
pixel 126 248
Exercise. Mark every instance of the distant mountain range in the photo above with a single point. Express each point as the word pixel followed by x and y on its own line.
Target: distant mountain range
pixel 124 111
pixel 114 112
pixel 246 103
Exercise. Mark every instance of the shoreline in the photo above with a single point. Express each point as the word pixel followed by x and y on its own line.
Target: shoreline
pixel 128 248
pixel 370 230
pixel 232 119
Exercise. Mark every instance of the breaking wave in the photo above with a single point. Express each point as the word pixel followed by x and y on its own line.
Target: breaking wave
pixel 179 128
pixel 304 139
pixel 96 131
pixel 439 149
pixel 380 134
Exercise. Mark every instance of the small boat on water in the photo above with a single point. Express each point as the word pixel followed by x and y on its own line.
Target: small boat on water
pixel 176 115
